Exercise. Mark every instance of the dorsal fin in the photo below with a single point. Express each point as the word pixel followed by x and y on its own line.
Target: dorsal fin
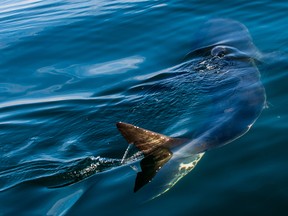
pixel 145 140
pixel 154 146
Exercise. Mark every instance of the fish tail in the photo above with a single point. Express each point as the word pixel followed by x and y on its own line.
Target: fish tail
pixel 155 148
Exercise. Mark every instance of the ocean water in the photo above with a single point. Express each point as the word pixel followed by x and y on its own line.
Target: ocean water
pixel 69 70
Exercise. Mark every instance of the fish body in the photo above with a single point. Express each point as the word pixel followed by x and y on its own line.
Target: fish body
pixel 225 56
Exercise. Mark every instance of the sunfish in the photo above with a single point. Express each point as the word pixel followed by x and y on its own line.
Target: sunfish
pixel 224 52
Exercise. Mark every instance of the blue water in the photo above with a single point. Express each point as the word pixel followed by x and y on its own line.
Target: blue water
pixel 69 70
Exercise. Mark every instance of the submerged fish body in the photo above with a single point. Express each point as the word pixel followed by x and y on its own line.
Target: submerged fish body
pixel 225 56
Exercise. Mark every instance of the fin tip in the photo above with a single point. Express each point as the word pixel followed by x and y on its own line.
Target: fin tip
pixel 121 125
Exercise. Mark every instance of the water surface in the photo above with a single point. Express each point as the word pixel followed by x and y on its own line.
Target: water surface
pixel 69 70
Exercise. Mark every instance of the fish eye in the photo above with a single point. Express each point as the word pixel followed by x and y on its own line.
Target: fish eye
pixel 219 51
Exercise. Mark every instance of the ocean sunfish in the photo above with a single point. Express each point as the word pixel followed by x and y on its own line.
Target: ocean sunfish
pixel 225 53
